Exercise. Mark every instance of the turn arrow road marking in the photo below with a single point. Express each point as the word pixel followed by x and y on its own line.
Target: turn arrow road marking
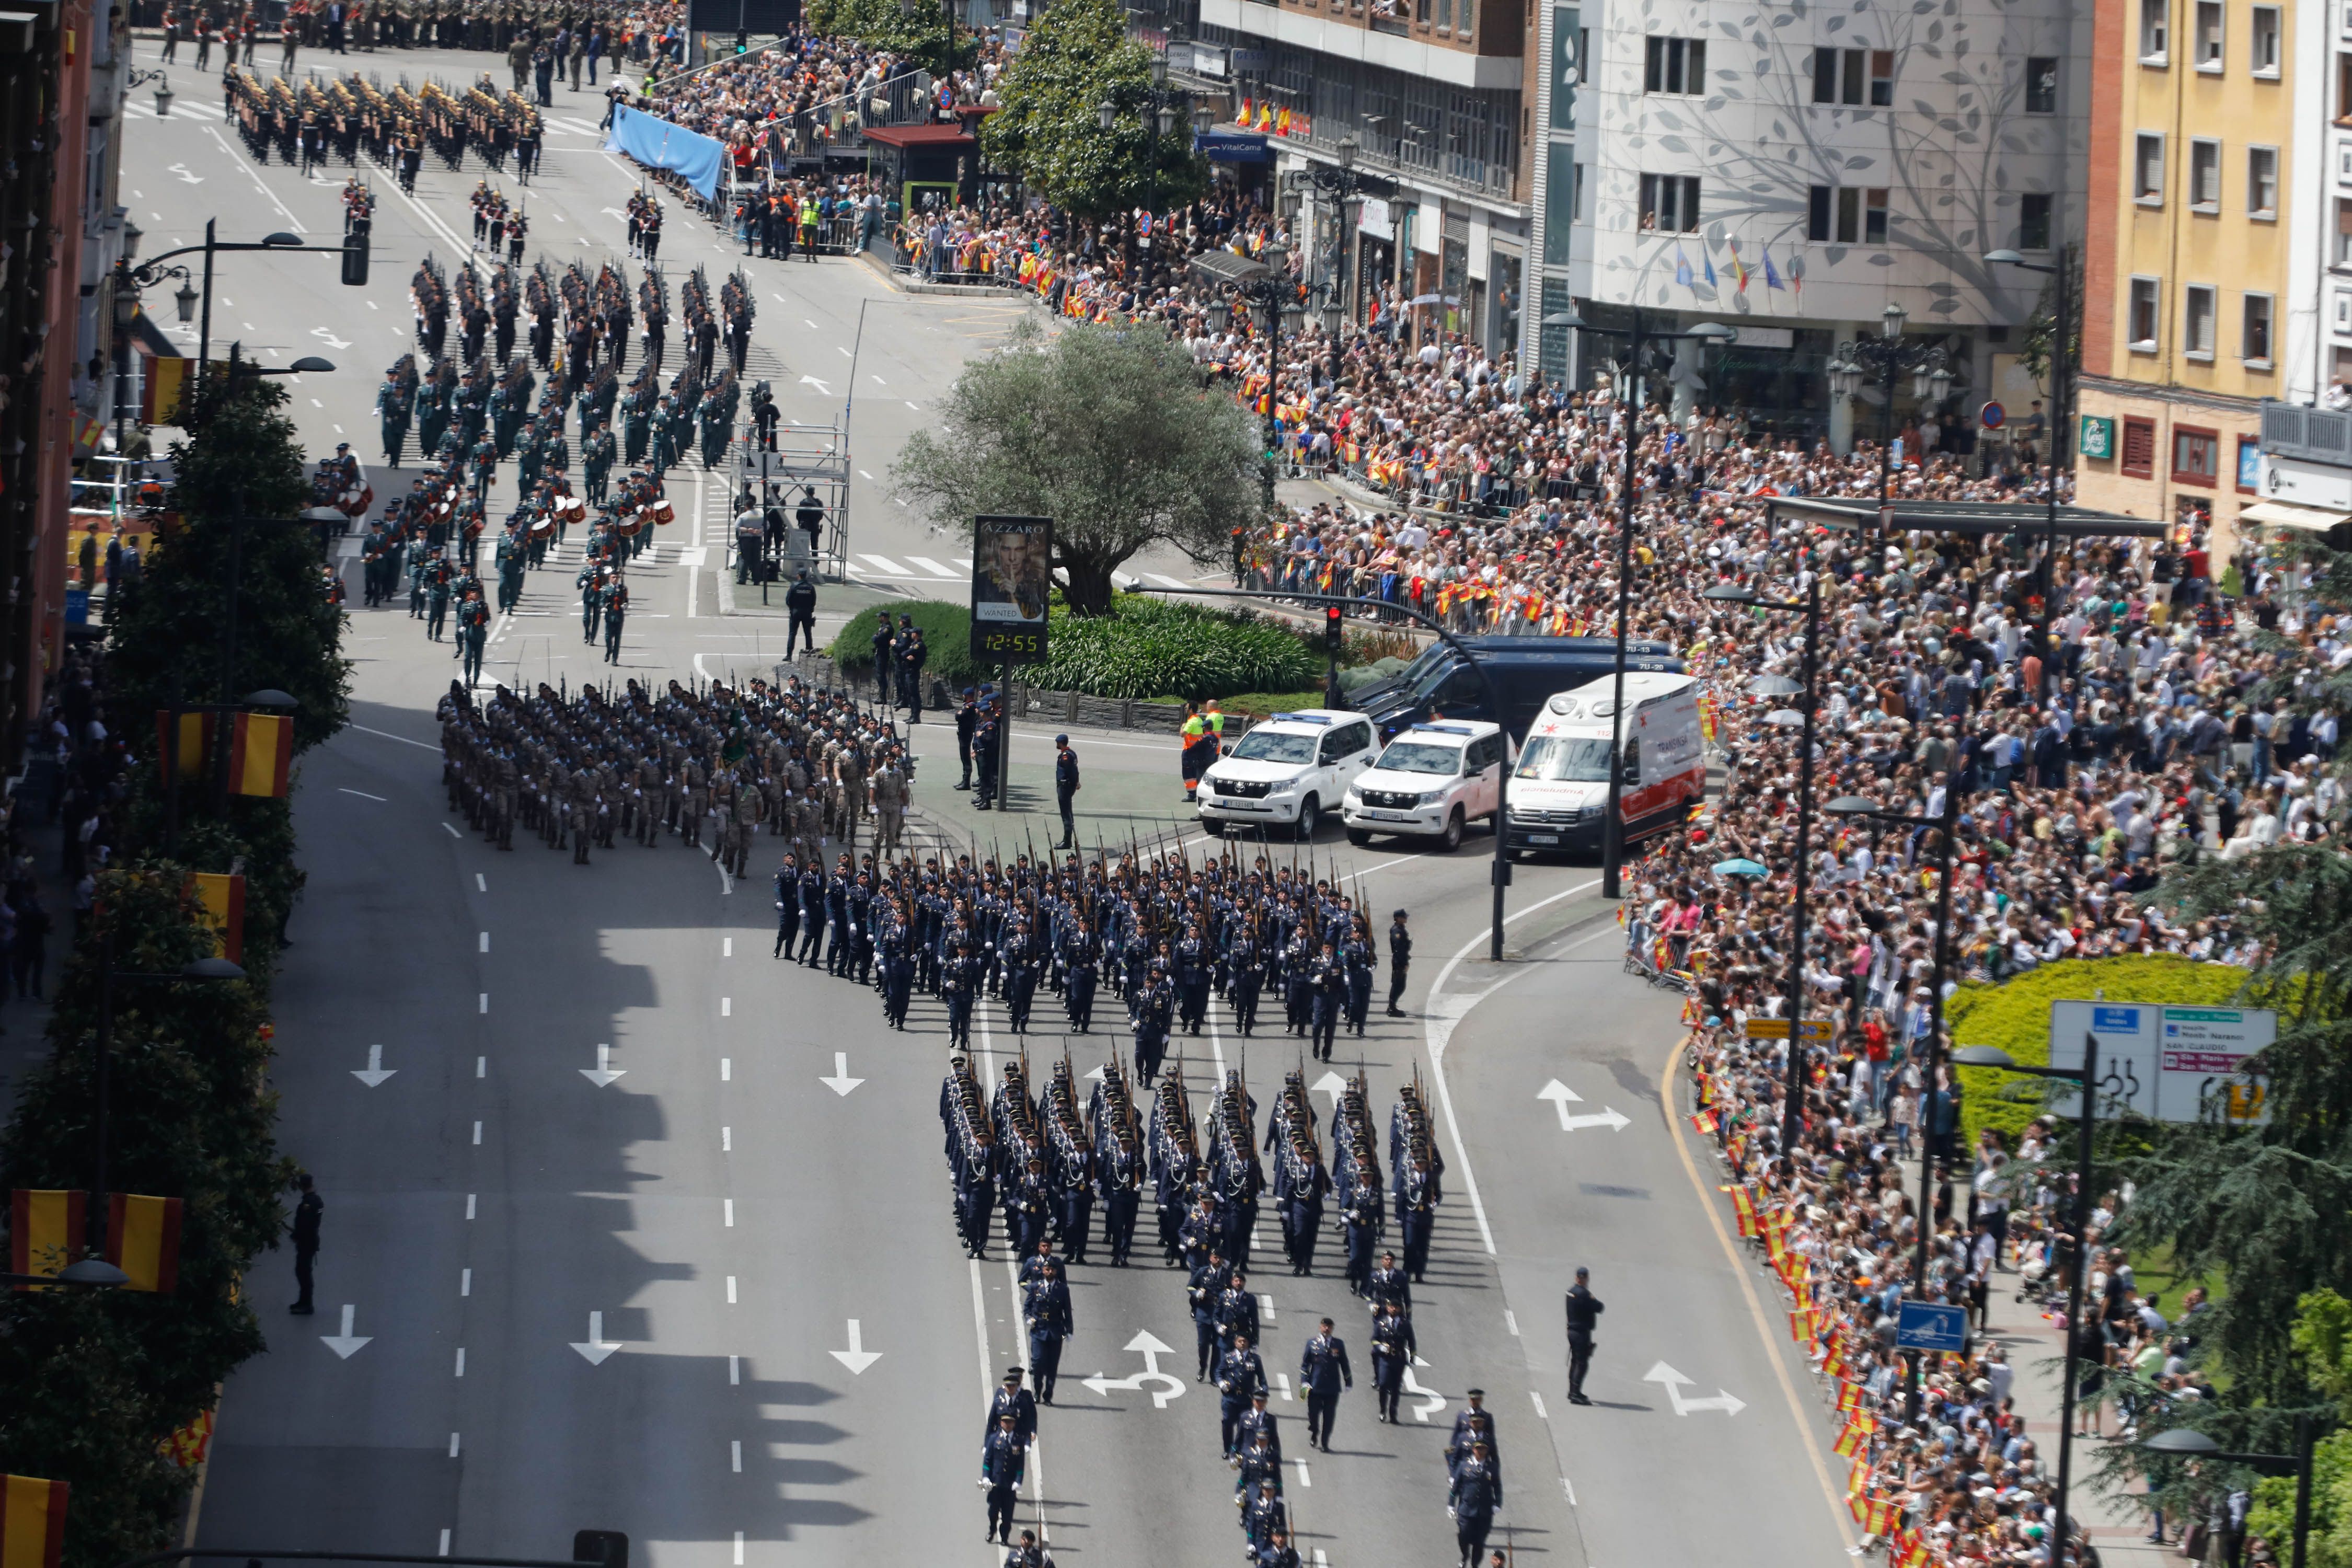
pixel 1150 1348
pixel 1672 1380
pixel 1561 1096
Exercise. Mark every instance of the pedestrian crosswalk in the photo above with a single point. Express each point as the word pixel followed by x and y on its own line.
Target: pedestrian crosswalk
pixel 885 566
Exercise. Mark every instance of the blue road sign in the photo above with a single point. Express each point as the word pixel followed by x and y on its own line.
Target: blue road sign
pixel 1931 1326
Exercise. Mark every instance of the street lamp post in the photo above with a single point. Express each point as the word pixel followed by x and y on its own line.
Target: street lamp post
pixel 1946 823
pixel 2061 385
pixel 1612 830
pixel 2087 1076
pixel 148 272
pixel 1341 182
pixel 2186 1442
pixel 1883 358
pixel 1792 1111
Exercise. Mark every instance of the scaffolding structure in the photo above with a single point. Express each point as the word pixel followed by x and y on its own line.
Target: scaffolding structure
pixel 807 458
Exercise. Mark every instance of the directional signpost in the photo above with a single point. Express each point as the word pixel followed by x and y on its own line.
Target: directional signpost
pixel 1778 1028
pixel 1932 1326
pixel 2166 1064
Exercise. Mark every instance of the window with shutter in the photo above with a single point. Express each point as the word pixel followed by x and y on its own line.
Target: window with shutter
pixel 2139 449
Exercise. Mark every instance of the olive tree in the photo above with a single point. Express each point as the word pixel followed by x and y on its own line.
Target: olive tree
pixel 1111 432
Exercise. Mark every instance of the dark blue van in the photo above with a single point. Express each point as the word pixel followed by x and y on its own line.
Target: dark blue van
pixel 1527 671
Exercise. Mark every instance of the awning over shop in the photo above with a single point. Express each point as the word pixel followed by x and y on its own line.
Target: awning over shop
pixel 2286 514
pixel 1225 267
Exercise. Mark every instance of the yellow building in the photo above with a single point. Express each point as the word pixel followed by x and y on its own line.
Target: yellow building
pixel 2186 253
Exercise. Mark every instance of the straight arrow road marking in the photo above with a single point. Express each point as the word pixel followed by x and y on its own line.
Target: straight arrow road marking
pixel 603 1074
pixel 374 1073
pixel 1561 1096
pixel 1332 1084
pixel 347 1344
pixel 856 1358
pixel 1674 1381
pixel 596 1350
pixel 841 1083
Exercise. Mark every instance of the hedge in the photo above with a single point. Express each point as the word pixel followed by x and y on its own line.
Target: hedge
pixel 2015 1016
pixel 1149 648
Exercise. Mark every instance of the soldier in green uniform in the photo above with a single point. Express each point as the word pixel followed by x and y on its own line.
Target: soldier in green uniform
pixel 596 456
pixel 528 458
pixel 432 416
pixel 508 559
pixel 592 599
pixel 392 410
pixel 637 424
pixel 473 633
pixel 554 452
pixel 437 575
pixel 617 606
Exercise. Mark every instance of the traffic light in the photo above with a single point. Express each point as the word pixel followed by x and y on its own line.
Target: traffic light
pixel 355 258
pixel 743 42
pixel 1334 631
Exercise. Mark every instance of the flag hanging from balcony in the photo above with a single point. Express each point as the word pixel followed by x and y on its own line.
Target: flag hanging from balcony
pixel 46 1228
pixel 261 750
pixel 32 1522
pixel 142 1239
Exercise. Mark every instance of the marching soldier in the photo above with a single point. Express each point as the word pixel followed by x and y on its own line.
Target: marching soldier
pixel 1047 1309
pixel 1323 1369
pixel 1003 1460
pixel 1392 1353
pixel 392 401
pixel 1471 1502
pixel 1400 960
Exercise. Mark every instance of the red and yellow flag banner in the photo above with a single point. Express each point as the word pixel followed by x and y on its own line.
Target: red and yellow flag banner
pixel 142 1239
pixel 221 894
pixel 46 1230
pixel 262 752
pixel 32 1522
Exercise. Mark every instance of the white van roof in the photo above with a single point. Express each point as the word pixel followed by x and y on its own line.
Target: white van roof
pixel 1642 686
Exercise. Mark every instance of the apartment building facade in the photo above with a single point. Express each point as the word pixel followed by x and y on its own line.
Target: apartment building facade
pixel 2190 245
pixel 1790 174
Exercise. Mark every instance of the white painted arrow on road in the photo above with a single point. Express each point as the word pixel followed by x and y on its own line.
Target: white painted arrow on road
pixel 347 1344
pixel 596 1350
pixel 1150 1350
pixel 856 1358
pixel 1673 1382
pixel 1561 1096
pixel 1436 1400
pixel 811 380
pixel 1332 1084
pixel 376 1072
pixel 841 1083
pixel 185 177
pixel 331 341
pixel 603 1074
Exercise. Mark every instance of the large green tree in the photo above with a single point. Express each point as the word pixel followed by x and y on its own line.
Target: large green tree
pixel 1110 432
pixel 1049 131
pixel 241 485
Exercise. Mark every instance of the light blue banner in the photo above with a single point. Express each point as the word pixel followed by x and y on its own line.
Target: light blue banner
pixel 658 144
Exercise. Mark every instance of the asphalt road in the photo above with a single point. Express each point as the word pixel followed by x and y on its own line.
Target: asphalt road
pixel 631 1194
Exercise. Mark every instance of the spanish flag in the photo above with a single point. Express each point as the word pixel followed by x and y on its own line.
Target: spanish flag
pixel 142 1239
pixel 196 738
pixel 32 1522
pixel 221 894
pixel 261 750
pixel 46 1231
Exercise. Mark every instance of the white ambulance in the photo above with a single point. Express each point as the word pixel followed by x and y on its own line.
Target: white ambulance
pixel 1560 791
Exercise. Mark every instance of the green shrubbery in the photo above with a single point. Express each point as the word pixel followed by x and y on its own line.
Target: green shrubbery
pixel 2015 1016
pixel 97 1381
pixel 1145 648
